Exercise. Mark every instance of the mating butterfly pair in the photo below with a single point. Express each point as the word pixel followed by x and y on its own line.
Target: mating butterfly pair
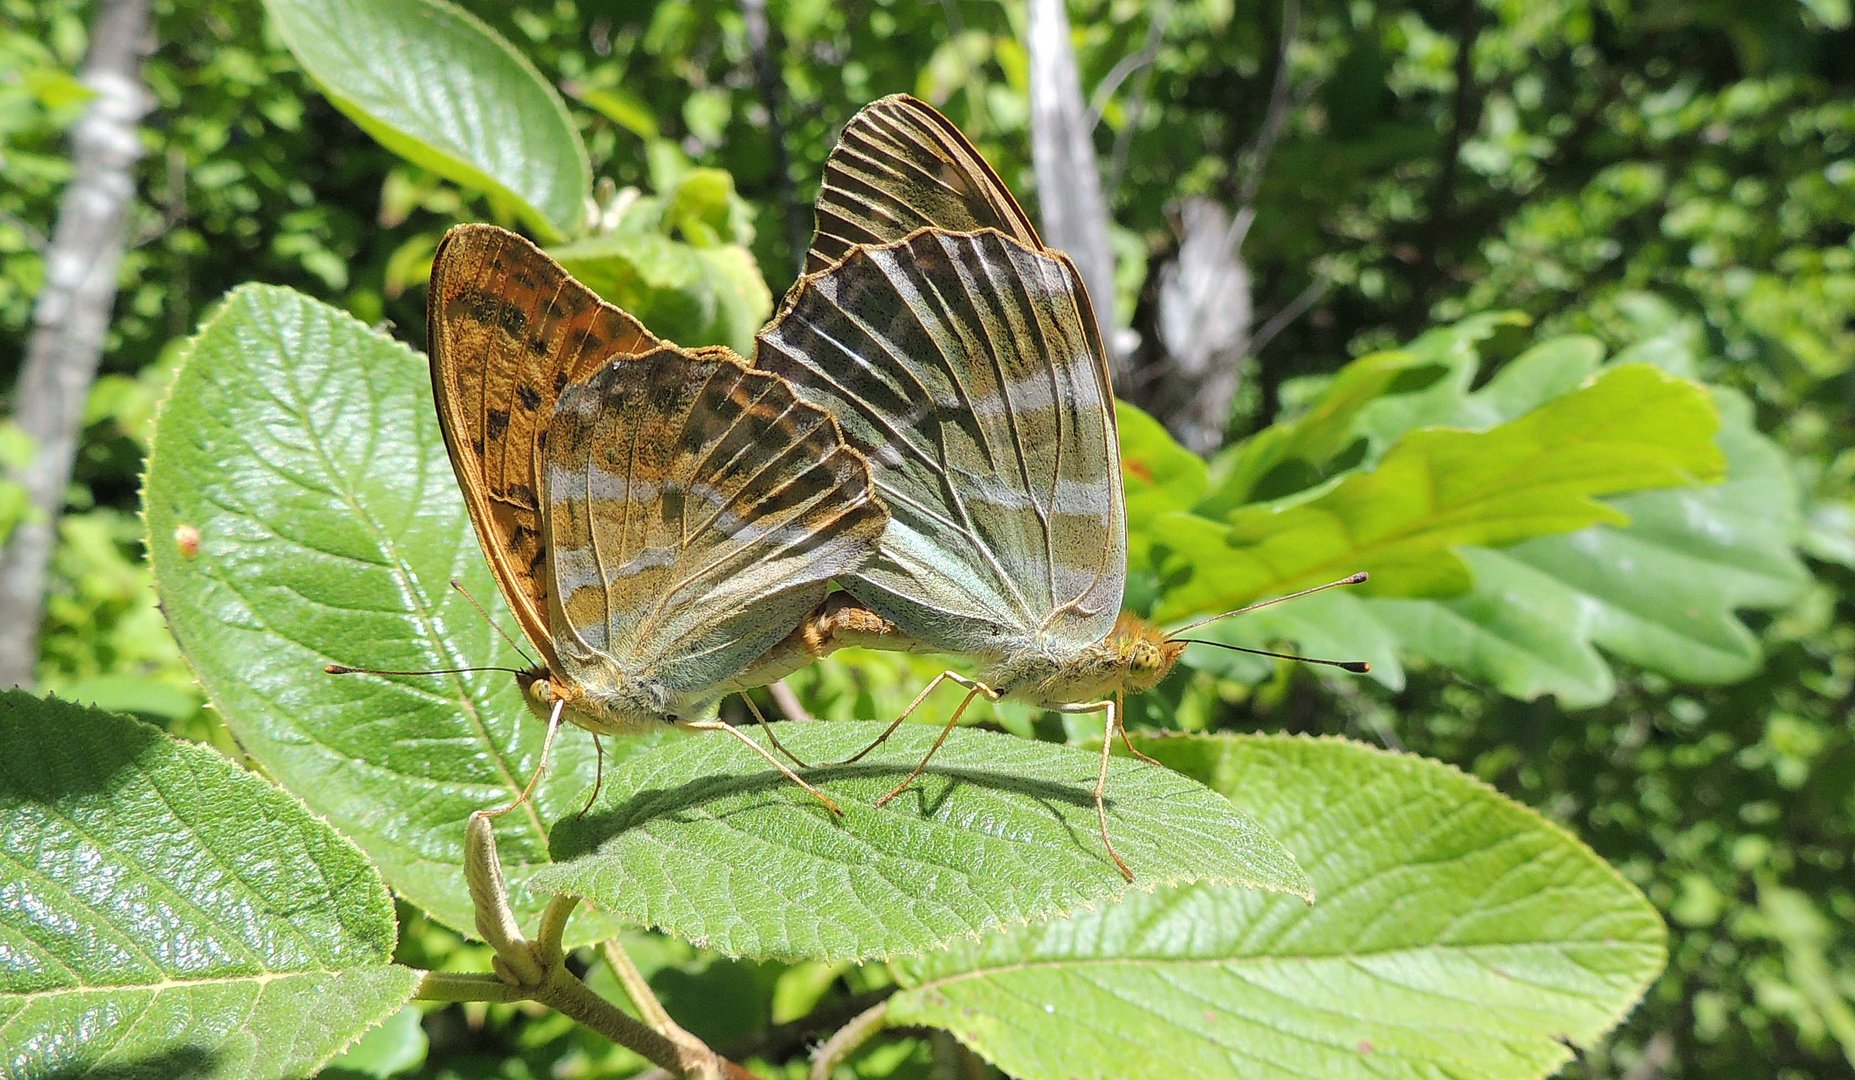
pixel 927 421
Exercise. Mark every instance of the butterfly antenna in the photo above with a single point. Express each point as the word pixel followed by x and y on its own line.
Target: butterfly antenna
pixel 1353 579
pixel 343 669
pixel 1357 667
pixel 494 625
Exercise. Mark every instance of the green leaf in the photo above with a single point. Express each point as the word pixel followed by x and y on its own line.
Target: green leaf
pixel 1631 428
pixel 165 912
pixel 393 1048
pixel 703 208
pixel 1290 455
pixel 1158 474
pixel 703 839
pixel 303 450
pixel 620 106
pixel 692 296
pixel 1550 369
pixel 439 88
pixel 1459 934
pixel 1661 594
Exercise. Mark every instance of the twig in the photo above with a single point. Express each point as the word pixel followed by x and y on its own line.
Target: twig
pixel 537 970
pixel 1143 63
pixel 772 98
pixel 636 987
pixel 457 986
pixel 695 1053
pixel 1257 160
pixel 788 701
pixel 1281 320
pixel 846 1039
pixel 777 1041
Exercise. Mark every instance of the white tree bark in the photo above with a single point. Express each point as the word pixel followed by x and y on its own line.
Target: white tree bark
pixel 1075 215
pixel 72 315
pixel 1204 324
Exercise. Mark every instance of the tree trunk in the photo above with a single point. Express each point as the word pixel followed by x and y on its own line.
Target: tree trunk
pixel 71 316
pixel 1075 215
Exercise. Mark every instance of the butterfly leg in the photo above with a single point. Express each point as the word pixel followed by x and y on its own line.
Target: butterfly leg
pixel 772 738
pixel 974 688
pixel 547 752
pixel 1101 780
pixel 717 725
pixel 598 776
pixel 1120 723
pixel 906 713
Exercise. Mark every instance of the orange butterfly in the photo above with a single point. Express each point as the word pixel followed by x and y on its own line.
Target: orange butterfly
pixel 661 521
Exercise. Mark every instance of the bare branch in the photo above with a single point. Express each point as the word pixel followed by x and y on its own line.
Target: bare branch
pixel 772 99
pixel 1256 160
pixel 1136 108
pixel 1295 308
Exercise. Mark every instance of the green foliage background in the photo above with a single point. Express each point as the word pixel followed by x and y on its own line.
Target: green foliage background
pixel 1681 176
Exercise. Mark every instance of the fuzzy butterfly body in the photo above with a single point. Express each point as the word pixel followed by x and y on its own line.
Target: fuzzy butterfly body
pixel 660 520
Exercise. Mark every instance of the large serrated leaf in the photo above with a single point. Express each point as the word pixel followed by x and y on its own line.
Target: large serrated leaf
pixel 1631 428
pixel 702 838
pixel 1459 934
pixel 689 295
pixel 1661 593
pixel 164 913
pixel 300 452
pixel 436 86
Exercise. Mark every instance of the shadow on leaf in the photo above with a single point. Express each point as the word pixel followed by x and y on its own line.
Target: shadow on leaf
pixel 719 797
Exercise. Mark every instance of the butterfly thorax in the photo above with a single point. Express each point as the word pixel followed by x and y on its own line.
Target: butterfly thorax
pixel 1133 658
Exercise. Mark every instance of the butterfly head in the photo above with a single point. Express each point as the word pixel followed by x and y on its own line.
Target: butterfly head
pixel 1142 652
pixel 604 706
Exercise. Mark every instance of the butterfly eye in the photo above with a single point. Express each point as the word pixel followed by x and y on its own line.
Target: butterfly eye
pixel 672 718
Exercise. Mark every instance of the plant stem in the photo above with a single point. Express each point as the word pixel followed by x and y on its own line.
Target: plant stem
pixel 845 1041
pixel 458 986
pixel 564 993
pixel 553 928
pixel 693 1050
pixel 635 986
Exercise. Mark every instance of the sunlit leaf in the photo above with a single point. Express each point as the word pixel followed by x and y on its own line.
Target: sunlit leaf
pixel 167 913
pixel 1457 934
pixel 702 838
pixel 302 449
pixel 439 88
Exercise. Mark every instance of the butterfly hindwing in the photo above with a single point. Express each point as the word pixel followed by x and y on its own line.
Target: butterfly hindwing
pixel 510 331
pixel 695 511
pixel 968 368
pixel 900 166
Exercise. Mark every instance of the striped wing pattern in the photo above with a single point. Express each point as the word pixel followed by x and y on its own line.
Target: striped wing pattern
pixel 694 512
pixel 900 166
pixel 510 331
pixel 967 367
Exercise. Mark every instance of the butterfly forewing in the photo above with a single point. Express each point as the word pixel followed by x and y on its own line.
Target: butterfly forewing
pixel 510 330
pixel 696 510
pixel 968 368
pixel 900 166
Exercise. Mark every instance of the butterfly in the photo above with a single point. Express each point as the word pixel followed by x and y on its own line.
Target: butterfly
pixel 660 520
pixel 962 356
